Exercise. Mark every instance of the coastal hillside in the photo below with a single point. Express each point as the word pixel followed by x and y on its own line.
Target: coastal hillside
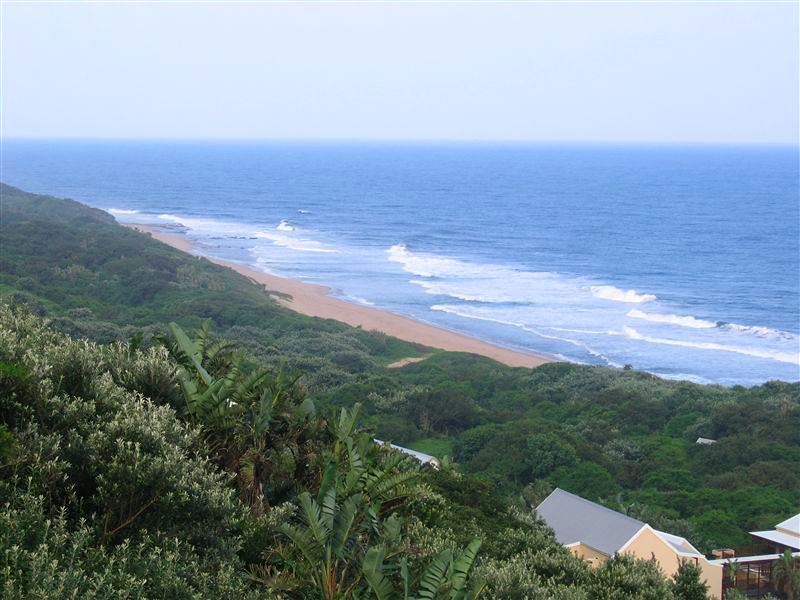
pixel 624 438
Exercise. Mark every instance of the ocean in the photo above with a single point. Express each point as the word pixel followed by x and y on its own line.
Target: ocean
pixel 680 261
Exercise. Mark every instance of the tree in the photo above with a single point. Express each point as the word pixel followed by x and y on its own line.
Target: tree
pixel 687 583
pixel 623 577
pixel 786 575
pixel 254 419
pixel 587 479
pixel 547 452
pixel 347 540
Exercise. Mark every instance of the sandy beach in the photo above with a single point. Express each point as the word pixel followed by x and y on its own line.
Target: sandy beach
pixel 316 301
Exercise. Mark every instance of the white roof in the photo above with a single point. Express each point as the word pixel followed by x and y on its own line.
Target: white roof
pixel 779 537
pixel 681 545
pixel 748 559
pixel 420 456
pixel 790 525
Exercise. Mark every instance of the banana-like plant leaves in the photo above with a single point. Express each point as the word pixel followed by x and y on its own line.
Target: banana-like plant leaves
pixel 344 520
pixel 372 568
pixel 435 576
pixel 187 347
pixel 313 519
pixel 461 568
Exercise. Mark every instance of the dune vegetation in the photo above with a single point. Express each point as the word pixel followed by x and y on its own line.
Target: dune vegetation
pixel 168 430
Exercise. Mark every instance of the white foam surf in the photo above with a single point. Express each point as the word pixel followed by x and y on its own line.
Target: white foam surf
pixel 679 320
pixel 766 353
pixel 284 226
pixel 761 331
pixel 121 211
pixel 609 292
pixel 360 300
pixel 461 312
pixel 209 227
pixel 695 323
pixel 295 243
pixel 431 265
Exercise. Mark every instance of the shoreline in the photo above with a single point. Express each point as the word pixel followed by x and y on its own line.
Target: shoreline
pixel 315 300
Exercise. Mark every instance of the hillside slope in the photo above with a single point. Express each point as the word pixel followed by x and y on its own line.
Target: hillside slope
pixel 618 436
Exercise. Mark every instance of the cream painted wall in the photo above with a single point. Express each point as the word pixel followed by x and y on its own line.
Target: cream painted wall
pixel 589 554
pixel 647 544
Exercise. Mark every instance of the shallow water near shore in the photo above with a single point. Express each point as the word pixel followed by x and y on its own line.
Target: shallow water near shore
pixel 679 261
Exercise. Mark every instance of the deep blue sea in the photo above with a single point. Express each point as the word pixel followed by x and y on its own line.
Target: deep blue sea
pixel 681 261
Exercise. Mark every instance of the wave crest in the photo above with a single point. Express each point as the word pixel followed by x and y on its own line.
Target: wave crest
pixel 121 211
pixel 682 321
pixel 776 355
pixel 609 292
pixel 428 265
pixel 293 243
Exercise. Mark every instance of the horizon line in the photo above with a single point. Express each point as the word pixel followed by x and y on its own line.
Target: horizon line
pixel 401 141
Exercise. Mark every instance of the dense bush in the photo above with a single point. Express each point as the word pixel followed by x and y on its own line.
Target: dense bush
pixel 616 436
pixel 105 493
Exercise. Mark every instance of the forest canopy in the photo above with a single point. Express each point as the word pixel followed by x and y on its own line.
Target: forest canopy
pixel 111 437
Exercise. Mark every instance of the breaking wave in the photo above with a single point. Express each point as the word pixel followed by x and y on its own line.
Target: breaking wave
pixel 121 211
pixel 777 355
pixel 460 312
pixel 209 227
pixel 609 292
pixel 284 226
pixel 430 265
pixel 760 331
pixel 682 321
pixel 294 243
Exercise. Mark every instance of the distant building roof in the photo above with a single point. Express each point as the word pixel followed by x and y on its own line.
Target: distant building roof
pixel 420 456
pixel 575 519
pixel 749 559
pixel 790 525
pixel 679 544
pixel 705 441
pixel 786 533
pixel 779 537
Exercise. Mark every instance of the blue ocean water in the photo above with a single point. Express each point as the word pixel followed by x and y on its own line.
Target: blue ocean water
pixel 682 261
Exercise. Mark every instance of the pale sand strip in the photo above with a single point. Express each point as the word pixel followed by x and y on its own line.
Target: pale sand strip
pixel 399 364
pixel 316 301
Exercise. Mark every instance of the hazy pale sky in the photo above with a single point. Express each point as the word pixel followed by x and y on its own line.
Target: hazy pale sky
pixel 659 72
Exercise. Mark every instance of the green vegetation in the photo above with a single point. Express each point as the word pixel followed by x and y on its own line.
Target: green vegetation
pixel 141 447
pixel 687 583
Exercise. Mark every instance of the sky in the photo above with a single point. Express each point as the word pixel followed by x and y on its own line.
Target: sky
pixel 664 72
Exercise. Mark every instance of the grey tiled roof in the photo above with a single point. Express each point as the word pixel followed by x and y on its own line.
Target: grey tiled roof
pixel 575 519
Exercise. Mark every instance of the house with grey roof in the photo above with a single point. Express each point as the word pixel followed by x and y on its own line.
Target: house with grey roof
pixel 596 533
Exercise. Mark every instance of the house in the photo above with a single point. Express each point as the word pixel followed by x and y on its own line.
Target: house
pixel 752 575
pixel 596 533
pixel 705 441
pixel 785 536
pixel 425 459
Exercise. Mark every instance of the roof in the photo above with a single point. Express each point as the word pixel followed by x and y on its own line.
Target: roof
pixel 779 537
pixel 790 525
pixel 786 533
pixel 575 519
pixel 749 559
pixel 679 544
pixel 420 456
